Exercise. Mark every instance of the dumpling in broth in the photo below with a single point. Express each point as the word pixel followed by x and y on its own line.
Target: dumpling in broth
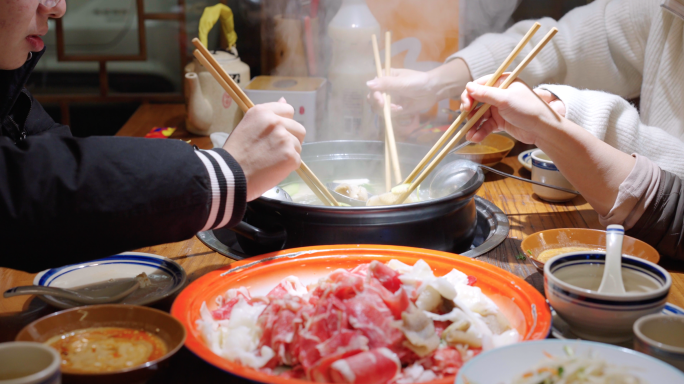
pixel 353 191
pixel 390 198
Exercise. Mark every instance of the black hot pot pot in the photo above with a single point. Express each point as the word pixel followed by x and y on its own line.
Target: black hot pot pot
pixel 445 223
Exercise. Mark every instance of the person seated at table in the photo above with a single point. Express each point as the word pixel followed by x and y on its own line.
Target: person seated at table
pixel 628 190
pixel 604 51
pixel 65 199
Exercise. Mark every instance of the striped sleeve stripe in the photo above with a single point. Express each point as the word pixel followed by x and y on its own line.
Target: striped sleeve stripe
pixel 223 190
pixel 215 190
pixel 230 190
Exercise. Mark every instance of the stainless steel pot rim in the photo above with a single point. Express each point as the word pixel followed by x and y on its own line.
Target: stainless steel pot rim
pixel 471 187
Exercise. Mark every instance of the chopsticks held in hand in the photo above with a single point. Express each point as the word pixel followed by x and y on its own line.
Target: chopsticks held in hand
pixel 476 117
pixel 390 142
pixel 454 126
pixel 209 62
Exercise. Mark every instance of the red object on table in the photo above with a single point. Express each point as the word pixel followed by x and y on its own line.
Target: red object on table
pixel 160 132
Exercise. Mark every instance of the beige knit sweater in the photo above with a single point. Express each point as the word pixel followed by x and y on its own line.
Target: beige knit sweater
pixel 612 50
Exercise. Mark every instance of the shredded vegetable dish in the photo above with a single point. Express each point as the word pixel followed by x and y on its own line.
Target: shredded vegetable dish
pixel 572 369
pixel 376 323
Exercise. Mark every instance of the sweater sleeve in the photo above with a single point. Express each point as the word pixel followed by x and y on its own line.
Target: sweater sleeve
pixel 64 200
pixel 615 121
pixel 598 46
pixel 662 224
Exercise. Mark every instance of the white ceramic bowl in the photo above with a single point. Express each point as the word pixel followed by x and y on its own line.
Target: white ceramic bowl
pixel 545 171
pixel 23 362
pixel 166 275
pixel 502 365
pixel 661 336
pixel 597 316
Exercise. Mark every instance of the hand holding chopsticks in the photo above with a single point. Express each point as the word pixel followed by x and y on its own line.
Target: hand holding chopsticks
pixel 480 112
pixel 454 126
pixel 207 60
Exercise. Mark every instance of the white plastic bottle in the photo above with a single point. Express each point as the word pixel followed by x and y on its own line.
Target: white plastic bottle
pixel 349 113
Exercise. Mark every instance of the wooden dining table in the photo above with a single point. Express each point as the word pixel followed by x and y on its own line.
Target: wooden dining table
pixel 526 213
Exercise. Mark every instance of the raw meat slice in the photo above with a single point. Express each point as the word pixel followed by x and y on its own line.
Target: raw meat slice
pixel 445 361
pixel 328 319
pixel 369 314
pixel 397 302
pixel 377 366
pixel 388 277
pixel 346 285
pixel 343 344
pixel 233 296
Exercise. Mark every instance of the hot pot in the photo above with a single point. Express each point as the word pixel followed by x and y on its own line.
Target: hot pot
pixel 445 223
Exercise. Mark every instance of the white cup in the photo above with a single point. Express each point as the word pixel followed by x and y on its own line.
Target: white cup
pixel 661 336
pixel 545 171
pixel 24 362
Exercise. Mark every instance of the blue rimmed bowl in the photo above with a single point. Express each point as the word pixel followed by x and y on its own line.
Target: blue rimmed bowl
pixel 545 171
pixel 166 277
pixel 571 283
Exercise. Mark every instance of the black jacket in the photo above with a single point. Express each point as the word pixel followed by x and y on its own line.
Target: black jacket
pixel 65 199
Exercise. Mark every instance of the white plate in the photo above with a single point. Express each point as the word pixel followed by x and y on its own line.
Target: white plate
pixel 525 158
pixel 502 365
pixel 561 330
pixel 166 275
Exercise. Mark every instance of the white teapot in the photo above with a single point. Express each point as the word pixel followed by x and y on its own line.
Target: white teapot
pixel 209 108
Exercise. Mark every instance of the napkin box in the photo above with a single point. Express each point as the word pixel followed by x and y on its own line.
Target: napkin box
pixel 305 94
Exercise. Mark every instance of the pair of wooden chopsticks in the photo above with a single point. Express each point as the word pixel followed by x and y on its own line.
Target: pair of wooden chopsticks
pixel 391 155
pixel 209 62
pixel 415 180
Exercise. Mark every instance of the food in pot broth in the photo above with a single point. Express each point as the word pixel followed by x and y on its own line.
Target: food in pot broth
pixel 106 349
pixel 390 198
pixel 352 191
pixel 375 323
pixel 549 253
pixel 359 189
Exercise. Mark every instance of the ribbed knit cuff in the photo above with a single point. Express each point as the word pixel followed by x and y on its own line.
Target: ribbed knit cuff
pixel 228 188
pixel 572 98
pixel 478 55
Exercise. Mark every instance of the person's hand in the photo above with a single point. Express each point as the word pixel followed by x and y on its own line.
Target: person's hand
pixel 415 91
pixel 411 91
pixel 266 144
pixel 523 113
pixel 551 99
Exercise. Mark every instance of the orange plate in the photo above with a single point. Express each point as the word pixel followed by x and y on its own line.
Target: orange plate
pixel 522 304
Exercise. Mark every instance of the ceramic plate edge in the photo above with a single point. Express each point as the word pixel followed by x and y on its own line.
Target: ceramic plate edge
pixel 175 289
pixel 521 159
pixel 459 376
pixel 670 309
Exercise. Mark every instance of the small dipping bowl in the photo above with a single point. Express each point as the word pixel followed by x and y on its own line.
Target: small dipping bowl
pixel 545 171
pixel 28 363
pixel 661 336
pixel 571 283
pixel 489 151
pixel 594 239
pixel 154 321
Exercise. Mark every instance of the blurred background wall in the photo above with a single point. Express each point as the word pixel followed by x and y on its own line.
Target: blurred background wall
pixel 107 32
